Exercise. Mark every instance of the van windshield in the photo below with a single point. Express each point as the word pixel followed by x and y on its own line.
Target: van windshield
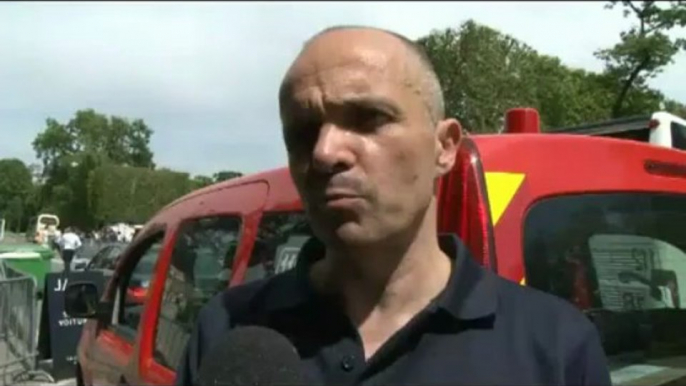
pixel 622 259
pixel 47 221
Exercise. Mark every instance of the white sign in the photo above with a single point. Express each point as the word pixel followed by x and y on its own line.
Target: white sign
pixel 61 284
pixel 287 254
pixel 625 266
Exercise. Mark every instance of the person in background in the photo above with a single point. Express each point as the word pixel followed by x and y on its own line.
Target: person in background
pixel 69 243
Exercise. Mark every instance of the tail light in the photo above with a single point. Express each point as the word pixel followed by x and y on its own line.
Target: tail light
pixel 463 203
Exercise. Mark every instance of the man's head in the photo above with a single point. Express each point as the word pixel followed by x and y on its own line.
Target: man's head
pixel 362 114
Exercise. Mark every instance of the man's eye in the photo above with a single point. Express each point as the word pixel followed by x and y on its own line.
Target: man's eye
pixel 369 119
pixel 302 136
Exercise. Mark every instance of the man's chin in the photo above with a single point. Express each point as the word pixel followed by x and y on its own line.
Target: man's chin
pixel 352 234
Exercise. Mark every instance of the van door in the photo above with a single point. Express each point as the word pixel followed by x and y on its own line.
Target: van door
pixel 110 356
pixel 212 232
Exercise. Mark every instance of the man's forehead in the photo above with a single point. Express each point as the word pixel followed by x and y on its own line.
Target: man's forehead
pixel 365 62
pixel 361 49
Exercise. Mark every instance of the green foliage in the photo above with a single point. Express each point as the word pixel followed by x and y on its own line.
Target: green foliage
pixel 484 73
pixel 199 182
pixel 225 175
pixel 98 169
pixel 121 141
pixel 675 108
pixel 480 71
pixel 132 194
pixel 15 179
pixel 15 188
pixel 69 152
pixel 643 50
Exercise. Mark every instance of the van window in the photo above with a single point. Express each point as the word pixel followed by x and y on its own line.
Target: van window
pixel 201 266
pixel 279 239
pixel 678 136
pixel 132 287
pixel 619 257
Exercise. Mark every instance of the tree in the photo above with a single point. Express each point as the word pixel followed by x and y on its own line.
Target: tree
pixel 130 194
pixel 201 181
pixel 225 175
pixel 15 179
pixel 482 73
pixel 675 108
pixel 15 214
pixel 645 49
pixel 69 152
pixel 15 186
pixel 121 141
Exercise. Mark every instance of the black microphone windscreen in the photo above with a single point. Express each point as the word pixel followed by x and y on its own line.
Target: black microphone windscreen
pixel 251 356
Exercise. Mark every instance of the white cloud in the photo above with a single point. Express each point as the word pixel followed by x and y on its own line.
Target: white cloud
pixel 204 76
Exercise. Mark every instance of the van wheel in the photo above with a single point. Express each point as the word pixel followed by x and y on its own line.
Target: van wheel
pixel 79 375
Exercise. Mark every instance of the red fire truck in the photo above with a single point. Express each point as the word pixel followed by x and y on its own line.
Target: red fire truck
pixel 594 220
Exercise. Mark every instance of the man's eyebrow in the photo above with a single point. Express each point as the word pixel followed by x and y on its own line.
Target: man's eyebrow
pixel 370 102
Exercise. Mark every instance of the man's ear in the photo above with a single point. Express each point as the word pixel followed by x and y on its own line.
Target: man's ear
pixel 448 137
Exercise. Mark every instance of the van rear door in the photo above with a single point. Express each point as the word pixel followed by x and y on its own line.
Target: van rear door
pixel 603 229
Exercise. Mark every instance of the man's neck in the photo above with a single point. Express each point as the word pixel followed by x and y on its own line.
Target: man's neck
pixel 388 281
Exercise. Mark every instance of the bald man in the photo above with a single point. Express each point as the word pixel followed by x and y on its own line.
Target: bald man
pixel 377 296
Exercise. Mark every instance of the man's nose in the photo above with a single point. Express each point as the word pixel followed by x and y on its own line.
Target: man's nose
pixel 332 152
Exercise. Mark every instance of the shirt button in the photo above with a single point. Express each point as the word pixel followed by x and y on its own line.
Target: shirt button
pixel 348 363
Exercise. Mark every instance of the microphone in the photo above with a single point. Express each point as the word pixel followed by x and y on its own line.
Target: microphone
pixel 251 356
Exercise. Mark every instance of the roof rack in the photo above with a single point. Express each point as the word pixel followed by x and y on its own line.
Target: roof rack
pixel 613 126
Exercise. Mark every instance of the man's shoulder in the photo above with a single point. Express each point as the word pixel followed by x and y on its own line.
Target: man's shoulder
pixel 242 302
pixel 543 312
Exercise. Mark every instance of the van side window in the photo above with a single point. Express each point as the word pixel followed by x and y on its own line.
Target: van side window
pixel 279 239
pixel 133 287
pixel 201 266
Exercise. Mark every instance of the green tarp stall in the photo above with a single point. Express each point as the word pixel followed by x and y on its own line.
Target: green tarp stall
pixel 31 259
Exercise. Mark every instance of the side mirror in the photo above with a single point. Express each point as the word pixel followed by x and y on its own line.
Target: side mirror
pixel 82 300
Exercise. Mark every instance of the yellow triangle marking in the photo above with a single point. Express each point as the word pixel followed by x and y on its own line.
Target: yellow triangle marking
pixel 523 281
pixel 501 189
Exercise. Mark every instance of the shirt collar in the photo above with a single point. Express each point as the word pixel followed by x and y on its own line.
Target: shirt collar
pixel 469 294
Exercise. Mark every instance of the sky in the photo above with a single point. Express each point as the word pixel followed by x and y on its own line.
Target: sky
pixel 204 76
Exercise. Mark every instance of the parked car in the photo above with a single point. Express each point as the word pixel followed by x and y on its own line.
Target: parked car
pixel 85 254
pixel 567 214
pixel 106 259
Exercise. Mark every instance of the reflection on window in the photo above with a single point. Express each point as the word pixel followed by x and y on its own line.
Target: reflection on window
pixel 279 238
pixel 137 284
pixel 619 257
pixel 200 267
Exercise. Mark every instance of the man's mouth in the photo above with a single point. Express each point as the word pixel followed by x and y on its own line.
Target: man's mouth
pixel 340 198
pixel 339 195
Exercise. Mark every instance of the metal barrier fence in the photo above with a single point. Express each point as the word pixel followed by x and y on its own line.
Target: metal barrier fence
pixel 18 327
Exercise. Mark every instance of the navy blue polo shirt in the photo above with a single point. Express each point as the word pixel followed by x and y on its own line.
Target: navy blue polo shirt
pixel 481 330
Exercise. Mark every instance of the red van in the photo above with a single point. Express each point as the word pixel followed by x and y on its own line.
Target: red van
pixel 594 220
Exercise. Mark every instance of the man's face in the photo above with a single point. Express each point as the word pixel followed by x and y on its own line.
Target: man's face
pixel 363 151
